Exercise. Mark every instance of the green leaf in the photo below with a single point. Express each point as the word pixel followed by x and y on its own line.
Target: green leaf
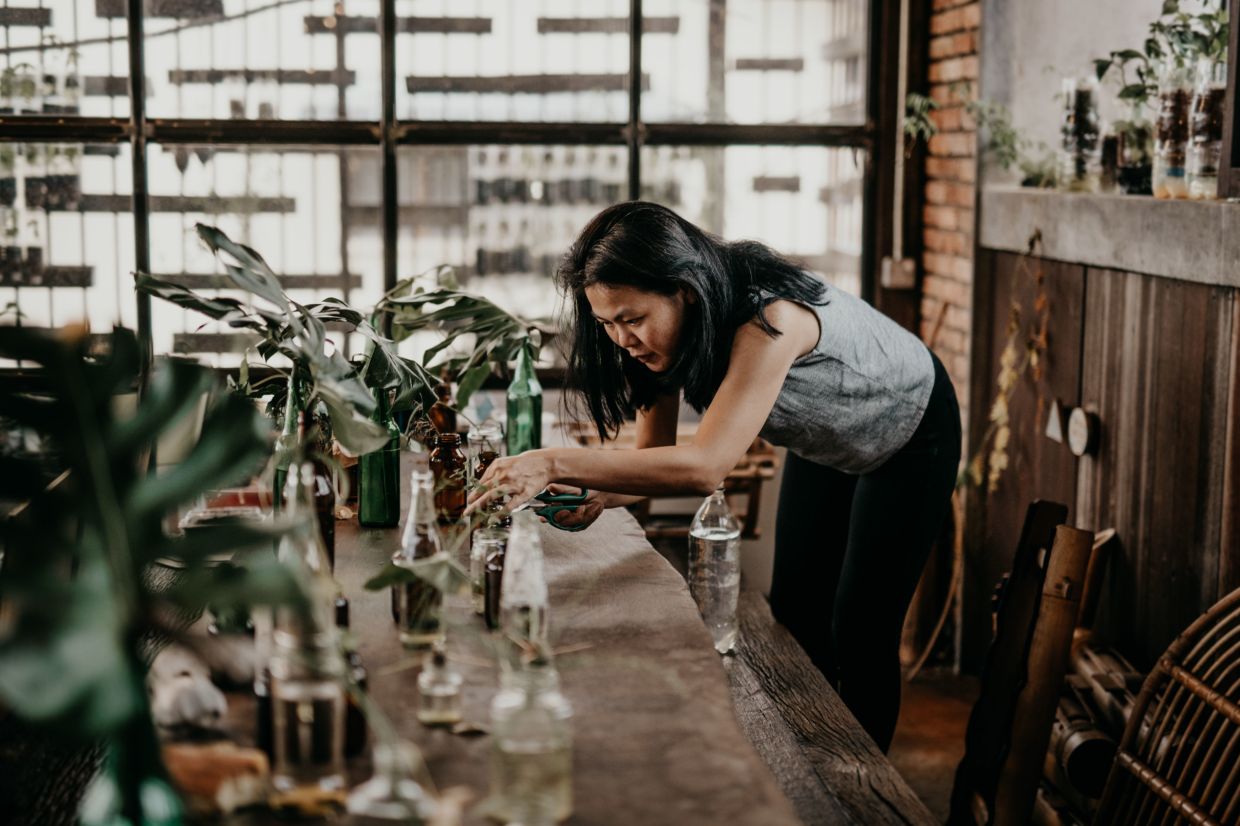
pixel 471 381
pixel 1134 91
pixel 216 308
pixel 235 442
pixel 1128 54
pixel 1101 67
pixel 250 272
pixel 254 579
pixel 440 570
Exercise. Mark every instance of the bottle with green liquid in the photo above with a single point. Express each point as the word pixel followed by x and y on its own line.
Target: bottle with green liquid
pixel 524 406
pixel 378 474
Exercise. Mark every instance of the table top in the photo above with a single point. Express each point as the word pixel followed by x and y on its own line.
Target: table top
pixel 655 737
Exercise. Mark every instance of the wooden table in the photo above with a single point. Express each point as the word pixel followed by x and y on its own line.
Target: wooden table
pixel 655 736
pixel 656 732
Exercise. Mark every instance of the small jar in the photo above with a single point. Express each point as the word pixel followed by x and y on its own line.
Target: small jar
pixel 448 465
pixel 1171 134
pixel 1205 142
pixel 439 691
pixel 1136 153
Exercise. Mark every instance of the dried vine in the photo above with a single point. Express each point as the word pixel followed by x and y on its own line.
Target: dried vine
pixel 991 459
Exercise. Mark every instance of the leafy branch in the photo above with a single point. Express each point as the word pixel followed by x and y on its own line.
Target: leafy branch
pixel 299 333
pixel 79 603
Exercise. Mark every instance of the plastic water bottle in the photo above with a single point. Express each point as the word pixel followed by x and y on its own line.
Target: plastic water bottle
pixel 715 568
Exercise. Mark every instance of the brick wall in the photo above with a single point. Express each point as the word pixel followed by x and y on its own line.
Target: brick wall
pixel 949 197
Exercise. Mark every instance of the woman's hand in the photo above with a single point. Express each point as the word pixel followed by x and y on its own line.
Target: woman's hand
pixel 519 477
pixel 585 513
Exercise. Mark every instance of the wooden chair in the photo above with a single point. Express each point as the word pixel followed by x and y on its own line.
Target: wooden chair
pixel 1179 760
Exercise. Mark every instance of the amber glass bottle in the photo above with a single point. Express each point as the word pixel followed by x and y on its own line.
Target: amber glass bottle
pixel 448 465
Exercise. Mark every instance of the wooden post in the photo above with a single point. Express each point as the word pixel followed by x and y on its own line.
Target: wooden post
pixel 1047 665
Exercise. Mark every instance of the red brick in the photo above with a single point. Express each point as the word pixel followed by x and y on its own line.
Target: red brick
pixel 951 243
pixel 939 5
pixel 936 192
pixel 953 94
pixel 953 45
pixel 961 195
pixel 947 119
pixel 961 18
pixel 950 290
pixel 950 169
pixel 954 144
pixel 941 217
pixel 954 69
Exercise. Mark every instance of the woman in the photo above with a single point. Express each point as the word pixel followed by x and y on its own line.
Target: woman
pixel 759 347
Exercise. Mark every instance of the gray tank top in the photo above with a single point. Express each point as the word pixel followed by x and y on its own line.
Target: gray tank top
pixel 856 398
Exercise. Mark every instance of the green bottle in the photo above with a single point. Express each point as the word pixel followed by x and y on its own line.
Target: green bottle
pixel 378 474
pixel 524 406
pixel 286 445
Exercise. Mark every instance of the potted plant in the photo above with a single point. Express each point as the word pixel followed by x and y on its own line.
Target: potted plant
pixel 80 605
pixel 1160 77
pixel 319 376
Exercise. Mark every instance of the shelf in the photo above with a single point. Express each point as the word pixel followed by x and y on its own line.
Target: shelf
pixel 48 277
pixel 522 84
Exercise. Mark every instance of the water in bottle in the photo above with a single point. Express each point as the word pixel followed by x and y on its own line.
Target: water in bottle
pixel 715 568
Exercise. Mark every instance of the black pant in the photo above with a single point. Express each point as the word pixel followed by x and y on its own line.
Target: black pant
pixel 849 551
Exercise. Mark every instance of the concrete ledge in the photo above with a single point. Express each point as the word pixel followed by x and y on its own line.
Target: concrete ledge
pixel 1196 241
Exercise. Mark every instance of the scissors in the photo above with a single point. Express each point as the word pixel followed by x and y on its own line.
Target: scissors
pixel 554 503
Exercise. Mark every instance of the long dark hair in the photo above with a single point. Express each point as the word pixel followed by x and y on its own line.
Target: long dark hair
pixel 649 247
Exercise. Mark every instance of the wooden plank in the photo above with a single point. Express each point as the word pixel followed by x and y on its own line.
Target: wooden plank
pixel 606 25
pixel 209 204
pixel 310 77
pixel 1038 468
pixel 988 735
pixel 544 84
pixel 1158 362
pixel 353 24
pixel 152 9
pixel 825 762
pixel 769 64
pixel 1229 540
pixel 294 281
pixel 25 17
pixel 775 183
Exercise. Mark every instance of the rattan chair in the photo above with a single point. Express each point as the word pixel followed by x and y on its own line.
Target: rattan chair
pixel 1179 760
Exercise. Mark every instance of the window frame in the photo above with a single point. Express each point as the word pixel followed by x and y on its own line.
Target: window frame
pixel 389 134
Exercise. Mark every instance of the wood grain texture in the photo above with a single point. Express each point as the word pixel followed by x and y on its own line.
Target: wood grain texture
pixel 829 767
pixel 655 736
pixel 1038 467
pixel 1157 371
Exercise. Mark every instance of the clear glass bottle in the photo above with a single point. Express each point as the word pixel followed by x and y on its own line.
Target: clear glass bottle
pixel 393 794
pixel 439 691
pixel 289 441
pixel 532 747
pixel 420 474
pixel 715 568
pixel 523 600
pixel 1205 141
pixel 355 726
pixel 1136 152
pixel 486 444
pixel 487 542
pixel 1171 133
pixel 1080 133
pixel 524 406
pixel 419 602
pixel 307 671
pixel 378 473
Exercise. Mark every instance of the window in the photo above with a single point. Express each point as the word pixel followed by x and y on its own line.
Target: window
pixel 476 133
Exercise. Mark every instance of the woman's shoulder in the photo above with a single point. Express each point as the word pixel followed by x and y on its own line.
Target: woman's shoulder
pixel 797 323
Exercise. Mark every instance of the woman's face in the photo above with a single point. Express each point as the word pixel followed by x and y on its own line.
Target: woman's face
pixel 645 324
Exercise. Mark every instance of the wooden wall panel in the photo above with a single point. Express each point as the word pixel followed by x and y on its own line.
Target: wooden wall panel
pixel 1038 467
pixel 1156 369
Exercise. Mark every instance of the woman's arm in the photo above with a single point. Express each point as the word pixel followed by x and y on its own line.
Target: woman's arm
pixel 756 372
pixel 656 427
